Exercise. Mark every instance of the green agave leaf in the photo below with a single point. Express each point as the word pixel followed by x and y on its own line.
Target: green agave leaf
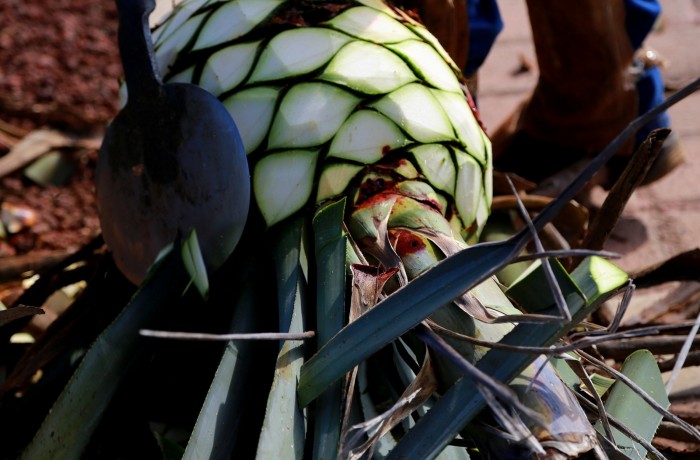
pixel 565 372
pixel 284 428
pixel 407 375
pixel 68 427
pixel 366 136
pixel 533 296
pixel 400 312
pixel 194 264
pixel 296 52
pixel 540 388
pixel 228 67
pixel 170 449
pixel 450 278
pixel 625 405
pixel 215 431
pixel 51 168
pixel 368 68
pixel 371 25
pixel 330 317
pixel 288 252
pixel 252 109
pixel 462 401
pixel 498 228
pixel 601 383
pixel 234 19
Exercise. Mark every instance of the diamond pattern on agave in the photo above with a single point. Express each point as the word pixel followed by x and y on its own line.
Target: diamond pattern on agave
pixel 327 93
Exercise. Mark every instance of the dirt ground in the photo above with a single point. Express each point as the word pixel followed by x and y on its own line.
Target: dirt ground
pixel 60 69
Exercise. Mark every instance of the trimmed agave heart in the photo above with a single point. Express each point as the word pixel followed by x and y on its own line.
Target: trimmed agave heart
pixel 322 91
pixel 355 100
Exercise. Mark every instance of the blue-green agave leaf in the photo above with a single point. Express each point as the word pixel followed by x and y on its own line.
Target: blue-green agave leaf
pixel 462 402
pixel 194 264
pixel 627 407
pixel 67 428
pixel 284 428
pixel 215 431
pixel 330 245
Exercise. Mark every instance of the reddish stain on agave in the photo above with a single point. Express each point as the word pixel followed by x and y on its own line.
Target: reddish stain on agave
pixel 408 243
pixel 372 187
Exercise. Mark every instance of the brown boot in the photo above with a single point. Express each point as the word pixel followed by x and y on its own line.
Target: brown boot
pixel 584 96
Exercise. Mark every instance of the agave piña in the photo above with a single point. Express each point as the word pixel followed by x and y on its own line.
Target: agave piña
pixel 355 100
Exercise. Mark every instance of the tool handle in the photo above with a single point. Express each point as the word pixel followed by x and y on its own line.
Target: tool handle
pixel 136 48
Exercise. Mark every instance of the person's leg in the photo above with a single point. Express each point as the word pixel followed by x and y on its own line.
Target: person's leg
pixel 485 24
pixel 640 17
pixel 584 96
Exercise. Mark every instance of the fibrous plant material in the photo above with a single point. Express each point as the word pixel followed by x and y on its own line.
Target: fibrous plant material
pixel 372 179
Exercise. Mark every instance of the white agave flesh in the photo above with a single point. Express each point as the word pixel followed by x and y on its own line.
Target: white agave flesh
pixel 309 115
pixel 413 97
pixel 167 50
pixel 482 213
pixel 296 52
pixel 368 68
pixel 185 76
pixel 379 5
pixel 468 189
pixel 283 182
pixel 464 122
pixel 174 18
pixel 335 179
pixel 227 68
pixel 233 20
pixel 420 191
pixel 435 162
pixel 252 109
pixel 416 262
pixel 488 174
pixel 371 25
pixel 411 213
pixel 406 169
pixel 428 64
pixel 424 34
pixel 365 137
pixel 414 108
